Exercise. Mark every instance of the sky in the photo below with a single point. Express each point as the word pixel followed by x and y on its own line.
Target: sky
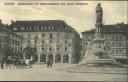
pixel 80 17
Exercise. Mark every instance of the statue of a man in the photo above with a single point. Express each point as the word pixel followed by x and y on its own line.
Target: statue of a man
pixel 99 13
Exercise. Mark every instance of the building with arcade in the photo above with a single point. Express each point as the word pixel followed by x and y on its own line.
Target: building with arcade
pixel 50 38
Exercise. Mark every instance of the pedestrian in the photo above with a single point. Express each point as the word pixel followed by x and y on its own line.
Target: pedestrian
pixel 27 62
pixel 48 63
pixel 30 63
pixel 2 62
pixel 51 62
pixel 7 62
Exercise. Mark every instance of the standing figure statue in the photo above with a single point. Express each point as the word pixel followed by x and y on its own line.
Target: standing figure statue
pixel 99 14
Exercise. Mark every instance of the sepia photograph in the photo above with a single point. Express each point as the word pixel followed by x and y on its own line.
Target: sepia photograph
pixel 64 40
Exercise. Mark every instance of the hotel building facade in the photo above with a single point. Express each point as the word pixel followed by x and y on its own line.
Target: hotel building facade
pixel 50 38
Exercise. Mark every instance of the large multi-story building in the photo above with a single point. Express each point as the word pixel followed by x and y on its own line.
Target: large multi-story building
pixel 10 43
pixel 116 40
pixel 50 38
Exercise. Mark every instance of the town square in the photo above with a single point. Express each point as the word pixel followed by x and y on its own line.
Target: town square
pixel 64 72
pixel 53 50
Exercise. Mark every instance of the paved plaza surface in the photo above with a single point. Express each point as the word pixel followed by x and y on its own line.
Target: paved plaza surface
pixel 64 72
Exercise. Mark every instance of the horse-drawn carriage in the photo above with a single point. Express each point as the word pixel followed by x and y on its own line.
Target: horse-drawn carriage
pixel 21 63
pixel 16 62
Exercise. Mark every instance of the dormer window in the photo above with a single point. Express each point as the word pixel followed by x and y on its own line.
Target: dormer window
pixel 34 28
pixel 14 28
pixel 22 28
pixel 38 28
pixel 52 28
pixel 42 28
pixel 30 28
pixel 45 28
pixel 49 28
pixel 27 29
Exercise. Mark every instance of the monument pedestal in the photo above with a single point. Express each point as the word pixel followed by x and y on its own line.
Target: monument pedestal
pixel 96 53
pixel 99 61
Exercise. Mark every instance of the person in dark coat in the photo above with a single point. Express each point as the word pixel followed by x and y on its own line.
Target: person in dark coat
pixel 2 62
pixel 50 63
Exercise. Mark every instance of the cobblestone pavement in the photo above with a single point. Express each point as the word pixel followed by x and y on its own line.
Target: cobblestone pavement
pixel 63 72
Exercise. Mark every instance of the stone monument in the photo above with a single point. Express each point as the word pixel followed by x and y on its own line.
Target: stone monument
pixel 96 53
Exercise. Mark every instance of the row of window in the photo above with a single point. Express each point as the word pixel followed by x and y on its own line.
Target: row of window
pixel 17 50
pixel 44 41
pixel 36 28
pixel 16 36
pixel 114 44
pixel 119 44
pixel 118 51
pixel 51 49
pixel 43 35
pixel 106 37
pixel 12 35
pixel 117 37
pixel 15 42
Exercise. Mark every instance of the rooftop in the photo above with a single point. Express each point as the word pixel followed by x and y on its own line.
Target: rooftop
pixel 41 25
pixel 117 28
pixel 42 22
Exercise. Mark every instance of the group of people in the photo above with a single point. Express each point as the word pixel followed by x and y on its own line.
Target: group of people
pixel 8 62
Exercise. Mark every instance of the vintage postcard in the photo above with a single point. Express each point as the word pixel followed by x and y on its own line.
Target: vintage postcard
pixel 63 40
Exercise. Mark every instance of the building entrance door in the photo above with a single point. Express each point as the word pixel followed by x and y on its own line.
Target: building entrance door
pixel 65 59
pixel 43 58
pixel 35 58
pixel 58 58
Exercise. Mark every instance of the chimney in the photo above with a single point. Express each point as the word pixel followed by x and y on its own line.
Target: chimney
pixel 122 23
